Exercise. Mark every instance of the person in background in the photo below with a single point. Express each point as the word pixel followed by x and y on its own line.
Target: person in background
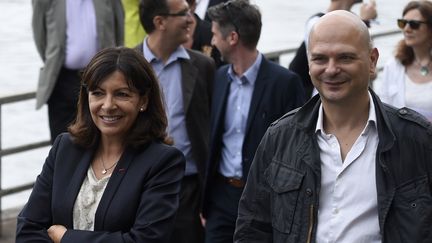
pixel 407 77
pixel 67 34
pixel 249 94
pixel 200 37
pixel 134 32
pixel 186 78
pixel 299 63
pixel 112 178
pixel 203 5
pixel 201 8
pixel 344 167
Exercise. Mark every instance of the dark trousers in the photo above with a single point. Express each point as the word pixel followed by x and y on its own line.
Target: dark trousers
pixel 188 227
pixel 62 103
pixel 222 213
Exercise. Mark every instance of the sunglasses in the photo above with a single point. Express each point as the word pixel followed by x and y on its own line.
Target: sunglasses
pixel 227 7
pixel 413 24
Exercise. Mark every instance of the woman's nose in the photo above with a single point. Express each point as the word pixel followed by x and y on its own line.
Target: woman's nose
pixel 108 102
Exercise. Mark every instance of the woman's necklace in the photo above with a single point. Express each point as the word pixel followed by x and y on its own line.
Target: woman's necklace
pixel 424 69
pixel 105 170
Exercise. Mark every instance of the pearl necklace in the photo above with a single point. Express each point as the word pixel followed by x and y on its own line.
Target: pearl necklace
pixel 105 170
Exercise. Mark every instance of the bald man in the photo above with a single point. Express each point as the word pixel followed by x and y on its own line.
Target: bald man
pixel 299 63
pixel 344 167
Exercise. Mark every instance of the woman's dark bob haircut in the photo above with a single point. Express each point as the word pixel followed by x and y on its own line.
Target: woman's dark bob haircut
pixel 150 124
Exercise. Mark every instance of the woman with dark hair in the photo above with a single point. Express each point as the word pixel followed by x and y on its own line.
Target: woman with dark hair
pixel 407 78
pixel 112 178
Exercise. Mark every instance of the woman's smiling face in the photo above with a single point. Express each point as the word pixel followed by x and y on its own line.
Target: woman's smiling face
pixel 114 106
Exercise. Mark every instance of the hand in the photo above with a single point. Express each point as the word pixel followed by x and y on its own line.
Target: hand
pixel 56 232
pixel 368 10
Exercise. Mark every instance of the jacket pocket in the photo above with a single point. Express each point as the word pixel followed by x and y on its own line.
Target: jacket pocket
pixel 413 206
pixel 285 183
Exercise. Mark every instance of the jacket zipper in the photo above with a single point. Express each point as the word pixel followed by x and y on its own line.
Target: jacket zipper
pixel 311 223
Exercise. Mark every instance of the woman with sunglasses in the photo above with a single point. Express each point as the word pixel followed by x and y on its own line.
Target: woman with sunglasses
pixel 407 77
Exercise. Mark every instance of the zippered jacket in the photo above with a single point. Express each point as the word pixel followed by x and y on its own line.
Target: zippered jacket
pixel 280 200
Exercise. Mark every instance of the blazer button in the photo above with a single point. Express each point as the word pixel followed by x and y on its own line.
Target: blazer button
pixel 309 192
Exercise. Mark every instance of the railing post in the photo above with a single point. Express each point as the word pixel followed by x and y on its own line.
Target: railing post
pixel 1 161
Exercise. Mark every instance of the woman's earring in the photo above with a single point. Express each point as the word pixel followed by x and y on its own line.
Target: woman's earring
pixel 141 109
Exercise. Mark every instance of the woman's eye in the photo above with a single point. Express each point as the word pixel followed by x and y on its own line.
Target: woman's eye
pixel 123 94
pixel 96 93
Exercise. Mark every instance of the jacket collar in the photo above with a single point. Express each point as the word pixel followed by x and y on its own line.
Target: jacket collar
pixel 306 119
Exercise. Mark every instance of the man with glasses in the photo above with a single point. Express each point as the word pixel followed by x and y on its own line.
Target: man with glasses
pixel 249 94
pixel 186 78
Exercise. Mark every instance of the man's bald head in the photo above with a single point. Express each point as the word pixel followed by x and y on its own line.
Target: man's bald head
pixel 341 23
pixel 341 60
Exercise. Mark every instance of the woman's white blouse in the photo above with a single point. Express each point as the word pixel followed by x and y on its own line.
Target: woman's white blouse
pixel 391 87
pixel 88 200
pixel 419 97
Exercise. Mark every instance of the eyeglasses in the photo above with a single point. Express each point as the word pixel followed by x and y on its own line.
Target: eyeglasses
pixel 413 24
pixel 182 13
pixel 226 5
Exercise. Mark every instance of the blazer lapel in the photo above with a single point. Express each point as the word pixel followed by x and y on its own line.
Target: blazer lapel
pixel 189 75
pixel 111 188
pixel 74 187
pixel 220 99
pixel 259 89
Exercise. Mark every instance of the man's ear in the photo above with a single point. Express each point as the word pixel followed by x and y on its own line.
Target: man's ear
pixel 159 22
pixel 233 38
pixel 374 55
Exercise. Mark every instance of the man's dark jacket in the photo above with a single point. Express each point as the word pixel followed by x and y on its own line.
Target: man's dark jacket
pixel 280 200
pixel 197 82
pixel 276 92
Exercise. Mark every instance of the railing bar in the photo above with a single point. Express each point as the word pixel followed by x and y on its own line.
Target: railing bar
pixel 292 50
pixel 16 189
pixel 23 148
pixel 386 33
pixel 16 98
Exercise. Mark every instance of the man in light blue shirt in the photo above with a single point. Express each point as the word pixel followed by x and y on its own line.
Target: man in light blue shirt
pixel 186 78
pixel 249 94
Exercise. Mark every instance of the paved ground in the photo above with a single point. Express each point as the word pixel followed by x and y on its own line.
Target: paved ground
pixel 8 226
pixel 8 231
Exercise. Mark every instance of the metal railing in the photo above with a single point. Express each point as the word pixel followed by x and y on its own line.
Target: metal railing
pixel 275 55
pixel 15 150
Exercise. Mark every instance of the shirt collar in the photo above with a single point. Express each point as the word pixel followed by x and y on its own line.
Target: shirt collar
pixel 250 74
pixel 179 53
pixel 372 120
